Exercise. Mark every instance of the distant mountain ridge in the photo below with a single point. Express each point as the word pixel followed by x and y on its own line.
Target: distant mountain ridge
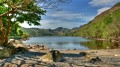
pixel 105 25
pixel 60 31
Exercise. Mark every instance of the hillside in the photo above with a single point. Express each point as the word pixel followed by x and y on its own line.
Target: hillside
pixel 60 31
pixel 106 25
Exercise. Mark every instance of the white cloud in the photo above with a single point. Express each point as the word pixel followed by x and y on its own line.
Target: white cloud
pixel 69 15
pixel 65 19
pixel 103 2
pixel 99 11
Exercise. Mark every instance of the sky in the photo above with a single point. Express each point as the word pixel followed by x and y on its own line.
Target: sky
pixel 73 14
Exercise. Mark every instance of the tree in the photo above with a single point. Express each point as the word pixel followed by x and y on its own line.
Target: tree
pixel 20 11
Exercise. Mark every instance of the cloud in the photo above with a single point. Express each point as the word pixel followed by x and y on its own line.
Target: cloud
pixel 103 2
pixel 99 11
pixel 69 16
pixel 65 19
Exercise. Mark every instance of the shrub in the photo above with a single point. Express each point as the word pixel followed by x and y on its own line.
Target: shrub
pixel 4 53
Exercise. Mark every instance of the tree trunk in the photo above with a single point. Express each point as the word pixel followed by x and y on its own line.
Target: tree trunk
pixel 3 36
pixel 8 31
pixel 2 32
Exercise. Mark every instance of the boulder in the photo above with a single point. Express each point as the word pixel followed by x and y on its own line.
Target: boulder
pixel 1 48
pixel 16 43
pixel 52 56
pixel 82 54
pixel 10 41
pixel 95 60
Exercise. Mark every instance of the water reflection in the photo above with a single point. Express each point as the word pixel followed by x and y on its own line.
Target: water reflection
pixel 70 43
pixel 95 44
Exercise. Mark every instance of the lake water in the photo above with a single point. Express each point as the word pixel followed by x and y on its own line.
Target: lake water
pixel 62 43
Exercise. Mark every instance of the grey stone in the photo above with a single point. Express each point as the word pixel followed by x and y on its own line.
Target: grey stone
pixel 16 62
pixel 10 65
pixel 30 61
pixel 26 65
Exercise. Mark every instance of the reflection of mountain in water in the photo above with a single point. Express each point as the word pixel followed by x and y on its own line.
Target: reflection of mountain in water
pixel 95 44
pixel 70 43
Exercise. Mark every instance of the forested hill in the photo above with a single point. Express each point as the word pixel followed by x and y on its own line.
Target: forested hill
pixel 60 31
pixel 106 25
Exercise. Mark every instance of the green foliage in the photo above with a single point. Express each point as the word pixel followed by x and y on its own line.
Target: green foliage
pixel 25 35
pixel 19 32
pixel 4 53
pixel 21 11
pixel 106 25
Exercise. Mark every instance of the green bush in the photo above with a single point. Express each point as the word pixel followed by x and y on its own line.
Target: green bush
pixel 4 53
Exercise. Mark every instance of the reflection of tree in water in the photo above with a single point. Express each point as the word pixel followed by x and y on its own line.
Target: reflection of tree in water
pixel 95 44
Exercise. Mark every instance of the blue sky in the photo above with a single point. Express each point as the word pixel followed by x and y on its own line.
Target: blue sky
pixel 74 14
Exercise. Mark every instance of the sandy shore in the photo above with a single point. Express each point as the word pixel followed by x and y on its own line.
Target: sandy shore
pixel 73 58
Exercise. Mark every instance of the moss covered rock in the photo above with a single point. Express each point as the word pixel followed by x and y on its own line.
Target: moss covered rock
pixel 52 56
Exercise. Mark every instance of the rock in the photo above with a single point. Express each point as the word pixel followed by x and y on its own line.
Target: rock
pixel 40 47
pixel 18 42
pixel 77 65
pixel 60 64
pixel 82 53
pixel 52 56
pixel 18 45
pixel 26 65
pixel 11 41
pixel 43 47
pixel 88 56
pixel 31 61
pixel 95 60
pixel 1 64
pixel 17 62
pixel 10 65
pixel 74 49
pixel 1 48
pixel 22 49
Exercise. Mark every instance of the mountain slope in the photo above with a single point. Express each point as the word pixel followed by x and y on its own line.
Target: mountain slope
pixel 106 25
pixel 60 31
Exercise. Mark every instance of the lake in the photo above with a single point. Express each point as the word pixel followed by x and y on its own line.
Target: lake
pixel 67 42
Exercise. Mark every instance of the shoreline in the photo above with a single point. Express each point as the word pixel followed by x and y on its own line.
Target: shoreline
pixel 73 58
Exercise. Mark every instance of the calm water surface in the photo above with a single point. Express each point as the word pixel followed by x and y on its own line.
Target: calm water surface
pixel 68 43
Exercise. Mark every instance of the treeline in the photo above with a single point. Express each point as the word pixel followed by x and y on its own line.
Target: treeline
pixel 60 31
pixel 106 25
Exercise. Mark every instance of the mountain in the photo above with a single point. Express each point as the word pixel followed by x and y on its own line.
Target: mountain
pixel 60 31
pixel 106 25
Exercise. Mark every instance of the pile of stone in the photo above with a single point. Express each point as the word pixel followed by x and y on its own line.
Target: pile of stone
pixel 40 47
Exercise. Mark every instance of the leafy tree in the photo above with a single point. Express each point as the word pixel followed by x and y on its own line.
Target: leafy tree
pixel 20 11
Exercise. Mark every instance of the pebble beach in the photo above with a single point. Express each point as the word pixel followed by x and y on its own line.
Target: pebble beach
pixel 72 58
